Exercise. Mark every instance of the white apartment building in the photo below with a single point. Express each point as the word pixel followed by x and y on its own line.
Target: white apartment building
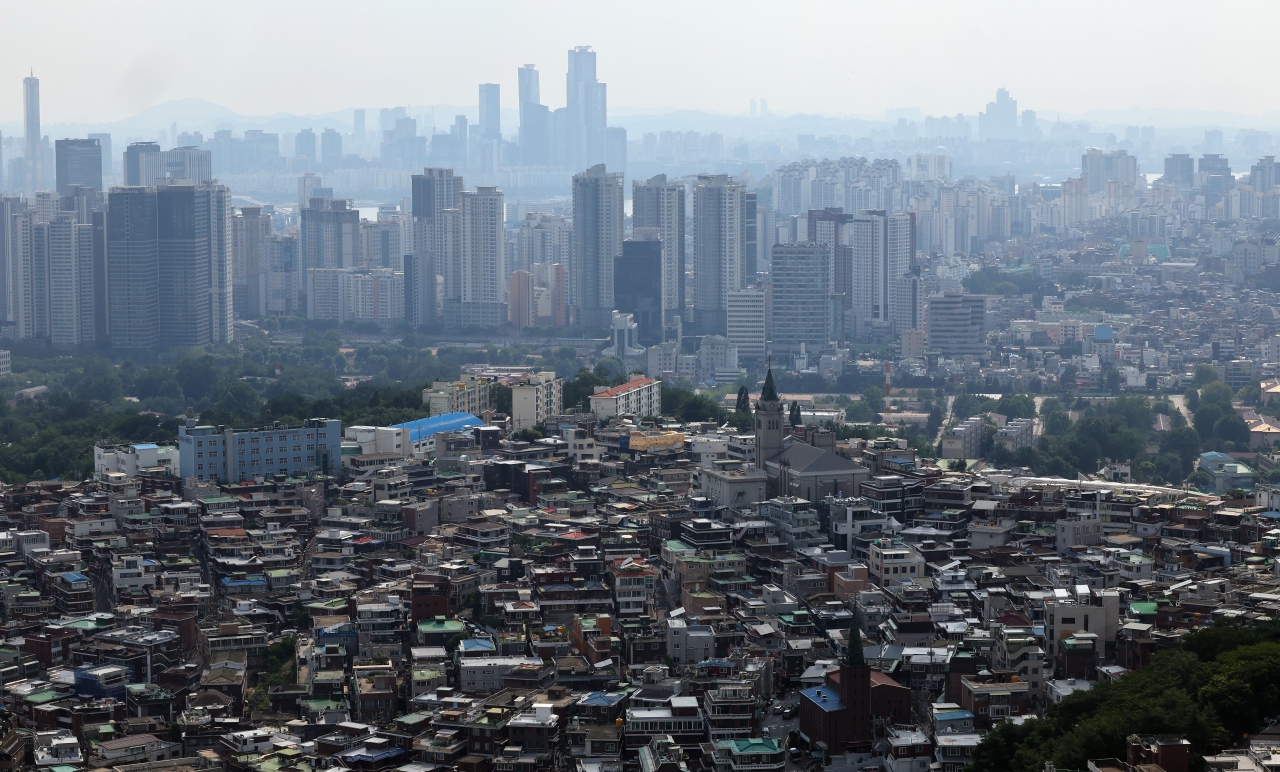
pixel 963 441
pixel 642 397
pixel 745 326
pixel 130 459
pixel 537 397
pixel 891 559
pixel 355 293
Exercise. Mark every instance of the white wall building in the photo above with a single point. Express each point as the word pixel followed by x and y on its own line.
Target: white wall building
pixel 534 399
pixel 642 397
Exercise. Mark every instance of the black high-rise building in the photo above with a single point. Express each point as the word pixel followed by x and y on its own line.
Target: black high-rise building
pixel 637 288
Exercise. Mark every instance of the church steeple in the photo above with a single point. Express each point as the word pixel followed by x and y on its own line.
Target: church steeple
pixel 769 392
pixel 853 646
pixel 768 423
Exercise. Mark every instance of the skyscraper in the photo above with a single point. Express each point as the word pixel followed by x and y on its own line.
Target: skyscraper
pixel 29 275
pixel 484 253
pixel 133 267
pixel 637 284
pixel 587 107
pixel 187 163
pixel 33 144
pixel 304 145
pixel 330 235
pixel 659 204
pixel 330 147
pixel 71 287
pixel 142 164
pixel 250 230
pixel 1179 169
pixel 104 142
pixel 881 248
pixel 718 204
pixel 750 227
pixel 434 192
pixel 490 111
pixel 184 243
pixel 535 121
pixel 78 162
pixel 801 295
pixel 1000 120
pixel 598 219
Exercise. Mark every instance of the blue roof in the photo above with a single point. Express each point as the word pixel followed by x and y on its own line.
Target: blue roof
pixel 953 715
pixel 362 753
pixel 146 446
pixel 816 694
pixel 449 422
pixel 72 576
pixel 1269 515
pixel 477 644
pixel 601 698
pixel 1214 455
pixel 1102 332
pixel 716 663
pixel 229 582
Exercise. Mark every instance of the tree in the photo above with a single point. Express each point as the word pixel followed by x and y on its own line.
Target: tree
pixel 501 397
pixel 795 417
pixel 1016 406
pixel 1217 393
pixel 1057 423
pixel 1232 428
pixel 1192 398
pixel 1184 443
pixel 874 397
pixel 1113 380
pixel 1206 418
pixel 1205 374
pixel 957 465
pixel 1200 479
pixel 1051 405
pixel 744 400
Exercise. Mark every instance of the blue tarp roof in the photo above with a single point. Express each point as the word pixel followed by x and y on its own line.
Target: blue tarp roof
pixel 449 422
pixel 832 701
pixel 74 577
pixel 146 446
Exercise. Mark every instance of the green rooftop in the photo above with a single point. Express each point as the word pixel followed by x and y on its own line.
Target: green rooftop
pixel 440 626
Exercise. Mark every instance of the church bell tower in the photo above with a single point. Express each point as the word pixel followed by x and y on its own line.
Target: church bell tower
pixel 768 422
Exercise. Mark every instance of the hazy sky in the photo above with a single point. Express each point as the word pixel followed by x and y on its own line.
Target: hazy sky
pixel 100 62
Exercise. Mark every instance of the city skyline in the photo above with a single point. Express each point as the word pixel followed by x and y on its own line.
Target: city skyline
pixel 957 64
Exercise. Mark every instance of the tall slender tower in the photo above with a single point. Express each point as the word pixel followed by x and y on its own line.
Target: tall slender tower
pixel 768 422
pixel 659 204
pixel 718 205
pixel 33 146
pixel 598 219
pixel 587 108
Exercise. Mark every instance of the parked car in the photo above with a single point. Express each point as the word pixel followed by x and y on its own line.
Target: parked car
pixel 789 711
pixel 796 754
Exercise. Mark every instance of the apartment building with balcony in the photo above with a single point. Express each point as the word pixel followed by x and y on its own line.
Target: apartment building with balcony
pixel 796 521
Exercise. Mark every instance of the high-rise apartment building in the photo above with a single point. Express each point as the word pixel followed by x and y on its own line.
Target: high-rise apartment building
pixel 750 230
pixel 421 288
pixel 142 164
pixel 250 231
pixel 78 162
pixel 656 203
pixel 521 309
pixel 71 285
pixel 587 111
pixel 484 256
pixel 873 274
pixel 184 226
pixel 490 111
pixel 718 206
pixel 746 323
pixel 33 140
pixel 1262 175
pixel 801 296
pixel 1104 167
pixel 598 219
pixel 283 280
pixel 28 272
pixel 330 235
pixel 543 238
